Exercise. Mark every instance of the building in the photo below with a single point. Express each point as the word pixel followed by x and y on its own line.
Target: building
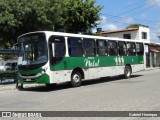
pixel 142 32
pixel 153 55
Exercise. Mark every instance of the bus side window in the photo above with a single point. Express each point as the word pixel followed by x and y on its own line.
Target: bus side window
pixel 112 48
pixel 131 48
pixel 75 47
pixel 57 49
pixel 89 47
pixel 102 47
pixel 139 48
pixel 122 48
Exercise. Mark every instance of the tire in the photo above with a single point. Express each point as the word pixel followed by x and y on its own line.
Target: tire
pixel 76 79
pixel 19 87
pixel 127 72
pixel 50 85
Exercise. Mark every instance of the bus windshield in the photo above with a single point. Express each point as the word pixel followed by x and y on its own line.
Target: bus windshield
pixel 33 51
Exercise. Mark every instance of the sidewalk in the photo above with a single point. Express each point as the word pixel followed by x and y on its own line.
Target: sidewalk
pixel 152 68
pixel 7 86
pixel 12 86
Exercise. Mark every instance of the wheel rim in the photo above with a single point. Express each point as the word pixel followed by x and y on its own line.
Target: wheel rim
pixel 76 78
pixel 128 72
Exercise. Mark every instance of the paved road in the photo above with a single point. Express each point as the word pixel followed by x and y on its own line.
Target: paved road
pixel 139 93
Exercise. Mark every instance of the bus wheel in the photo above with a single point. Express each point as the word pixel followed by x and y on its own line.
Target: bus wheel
pixel 19 87
pixel 127 72
pixel 76 79
pixel 50 85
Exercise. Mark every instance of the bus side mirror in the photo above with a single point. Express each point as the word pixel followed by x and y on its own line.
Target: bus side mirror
pixel 53 50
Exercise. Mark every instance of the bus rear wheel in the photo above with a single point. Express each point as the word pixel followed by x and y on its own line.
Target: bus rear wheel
pixel 76 79
pixel 127 72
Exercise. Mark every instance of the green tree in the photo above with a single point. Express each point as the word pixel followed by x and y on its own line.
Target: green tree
pixel 133 26
pixel 81 15
pixel 21 16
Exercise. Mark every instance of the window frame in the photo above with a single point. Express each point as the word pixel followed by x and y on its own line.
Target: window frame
pixel 115 49
pixel 131 52
pixel 124 49
pixel 56 60
pixel 144 35
pixel 139 54
pixel 127 36
pixel 76 46
pixel 88 48
pixel 99 47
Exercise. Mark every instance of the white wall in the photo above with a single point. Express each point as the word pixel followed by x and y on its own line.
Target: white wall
pixel 144 29
pixel 135 35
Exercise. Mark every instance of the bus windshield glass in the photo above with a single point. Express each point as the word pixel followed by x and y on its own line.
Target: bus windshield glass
pixel 33 51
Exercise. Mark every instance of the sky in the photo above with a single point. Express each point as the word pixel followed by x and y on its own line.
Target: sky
pixel 118 14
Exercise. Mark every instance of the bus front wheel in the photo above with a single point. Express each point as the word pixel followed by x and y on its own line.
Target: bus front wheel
pixel 19 87
pixel 127 72
pixel 76 79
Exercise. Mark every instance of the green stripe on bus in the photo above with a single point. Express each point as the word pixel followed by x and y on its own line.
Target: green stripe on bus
pixel 69 63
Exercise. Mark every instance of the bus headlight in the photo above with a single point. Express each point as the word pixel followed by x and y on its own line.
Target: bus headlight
pixel 41 73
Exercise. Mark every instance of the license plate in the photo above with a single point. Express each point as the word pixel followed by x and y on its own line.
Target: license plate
pixel 28 79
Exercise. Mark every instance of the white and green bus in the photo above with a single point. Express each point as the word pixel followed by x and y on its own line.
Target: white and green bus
pixel 50 58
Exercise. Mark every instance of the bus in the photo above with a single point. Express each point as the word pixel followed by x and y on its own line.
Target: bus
pixel 50 58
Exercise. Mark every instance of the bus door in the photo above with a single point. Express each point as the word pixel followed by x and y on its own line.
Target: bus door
pixel 57 53
pixel 90 61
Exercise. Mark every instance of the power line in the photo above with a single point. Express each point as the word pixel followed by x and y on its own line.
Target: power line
pixel 115 16
pixel 134 9
pixel 128 6
pixel 123 23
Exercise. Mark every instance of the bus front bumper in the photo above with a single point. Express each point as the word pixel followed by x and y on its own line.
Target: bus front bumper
pixel 42 79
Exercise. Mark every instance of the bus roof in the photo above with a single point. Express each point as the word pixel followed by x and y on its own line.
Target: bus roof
pixel 49 33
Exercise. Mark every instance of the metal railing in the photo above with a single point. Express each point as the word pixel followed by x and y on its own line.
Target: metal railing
pixel 8 77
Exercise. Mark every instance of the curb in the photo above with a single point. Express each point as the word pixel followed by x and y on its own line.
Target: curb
pixel 152 68
pixel 7 87
pixel 13 86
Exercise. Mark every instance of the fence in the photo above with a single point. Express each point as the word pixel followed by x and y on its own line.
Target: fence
pixel 8 77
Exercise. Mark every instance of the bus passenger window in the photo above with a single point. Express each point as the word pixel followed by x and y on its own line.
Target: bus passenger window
pixel 112 48
pixel 122 48
pixel 59 49
pixel 75 47
pixel 89 47
pixel 139 48
pixel 131 49
pixel 101 47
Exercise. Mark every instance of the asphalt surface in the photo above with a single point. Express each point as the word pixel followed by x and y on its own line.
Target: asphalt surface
pixel 139 93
